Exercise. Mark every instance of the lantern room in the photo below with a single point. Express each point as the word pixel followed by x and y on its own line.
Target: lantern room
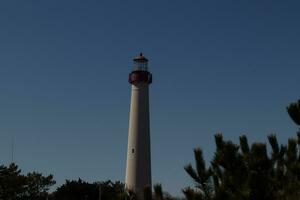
pixel 140 73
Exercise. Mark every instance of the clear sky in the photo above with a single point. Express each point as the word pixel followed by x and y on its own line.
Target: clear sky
pixel 218 66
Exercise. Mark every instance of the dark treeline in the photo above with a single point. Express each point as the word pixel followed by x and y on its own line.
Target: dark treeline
pixel 236 172
pixel 14 185
pixel 35 186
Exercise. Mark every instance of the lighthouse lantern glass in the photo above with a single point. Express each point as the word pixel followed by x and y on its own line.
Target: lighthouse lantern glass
pixel 140 66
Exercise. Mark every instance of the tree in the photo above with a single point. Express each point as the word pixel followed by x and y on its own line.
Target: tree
pixel 247 173
pixel 294 111
pixel 37 186
pixel 11 182
pixel 201 177
pixel 238 171
pixel 75 190
pixel 80 190
pixel 158 193
pixel 15 186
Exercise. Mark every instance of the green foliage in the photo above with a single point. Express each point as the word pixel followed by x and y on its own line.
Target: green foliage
pixel 294 111
pixel 244 173
pixel 15 186
pixel 158 193
pixel 37 186
pixel 12 183
pixel 191 194
pixel 78 190
pixel 201 177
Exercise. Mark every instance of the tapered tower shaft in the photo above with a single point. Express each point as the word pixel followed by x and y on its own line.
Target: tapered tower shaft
pixel 138 167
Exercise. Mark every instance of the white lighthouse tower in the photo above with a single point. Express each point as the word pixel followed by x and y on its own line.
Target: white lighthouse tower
pixel 138 167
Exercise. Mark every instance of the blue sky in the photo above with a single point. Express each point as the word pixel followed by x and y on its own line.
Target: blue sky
pixel 218 66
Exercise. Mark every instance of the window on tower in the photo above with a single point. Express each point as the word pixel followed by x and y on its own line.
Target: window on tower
pixel 132 150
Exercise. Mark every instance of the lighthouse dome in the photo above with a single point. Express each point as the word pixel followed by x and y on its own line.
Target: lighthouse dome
pixel 140 58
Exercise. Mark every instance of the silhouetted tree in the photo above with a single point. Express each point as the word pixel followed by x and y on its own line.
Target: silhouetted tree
pixel 294 111
pixel 249 173
pixel 11 182
pixel 81 190
pixel 201 177
pixel 241 172
pixel 158 193
pixel 37 186
pixel 15 186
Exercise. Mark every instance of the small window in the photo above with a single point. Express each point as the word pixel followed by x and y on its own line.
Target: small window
pixel 132 150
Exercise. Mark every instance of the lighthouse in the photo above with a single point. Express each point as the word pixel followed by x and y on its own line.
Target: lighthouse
pixel 138 166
